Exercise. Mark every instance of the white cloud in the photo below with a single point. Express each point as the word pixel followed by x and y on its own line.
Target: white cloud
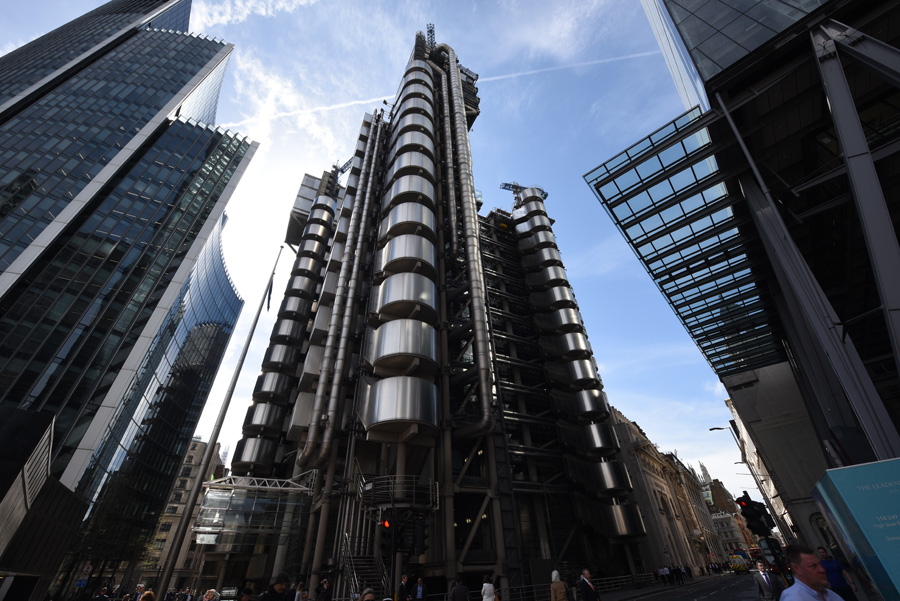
pixel 205 14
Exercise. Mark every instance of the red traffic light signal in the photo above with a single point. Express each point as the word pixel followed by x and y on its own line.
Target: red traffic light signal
pixel 385 523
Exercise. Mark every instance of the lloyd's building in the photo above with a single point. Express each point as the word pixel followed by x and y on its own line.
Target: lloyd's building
pixel 429 403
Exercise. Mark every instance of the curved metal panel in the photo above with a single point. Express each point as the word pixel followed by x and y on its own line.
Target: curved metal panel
pixel 311 248
pixel 264 418
pixel 412 122
pixel 416 105
pixel 561 321
pixel 301 285
pixel 536 223
pixel 335 257
pixel 590 404
pixel 281 357
pixel 406 295
pixel 409 188
pixel 320 325
pixel 311 366
pixel 321 215
pixel 273 387
pixel 607 478
pixel 254 455
pixel 546 257
pixel 417 90
pixel 570 346
pixel 417 76
pixel 288 331
pixel 419 65
pixel 548 277
pixel 295 307
pixel 407 252
pixel 306 266
pixel 408 218
pixel 577 374
pixel 560 297
pixel 316 231
pixel 594 439
pixel 537 241
pixel 412 140
pixel 527 194
pixel 392 403
pixel 622 521
pixel 403 347
pixel 528 210
pixel 411 163
pixel 325 202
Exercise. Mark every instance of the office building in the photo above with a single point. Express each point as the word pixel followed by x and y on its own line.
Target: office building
pixel 767 222
pixel 429 386
pixel 112 182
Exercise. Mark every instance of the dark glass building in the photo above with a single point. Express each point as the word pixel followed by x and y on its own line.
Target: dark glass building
pixel 112 181
pixel 430 372
pixel 769 223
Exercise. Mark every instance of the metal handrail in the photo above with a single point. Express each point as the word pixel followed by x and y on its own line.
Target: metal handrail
pixel 396 490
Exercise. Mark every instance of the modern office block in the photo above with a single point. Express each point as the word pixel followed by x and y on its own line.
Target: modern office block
pixel 768 222
pixel 113 181
pixel 429 384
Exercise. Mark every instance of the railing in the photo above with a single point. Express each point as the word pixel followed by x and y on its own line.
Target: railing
pixel 398 490
pixel 352 582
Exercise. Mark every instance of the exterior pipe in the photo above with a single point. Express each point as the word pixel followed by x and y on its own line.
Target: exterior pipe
pixel 304 456
pixel 448 154
pixel 473 256
pixel 349 310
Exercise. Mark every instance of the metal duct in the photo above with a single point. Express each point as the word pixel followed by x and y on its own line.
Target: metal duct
pixel 409 188
pixel 408 218
pixel 403 347
pixel 392 403
pixel 588 405
pixel 473 257
pixel 405 295
pixel 592 439
pixel 353 247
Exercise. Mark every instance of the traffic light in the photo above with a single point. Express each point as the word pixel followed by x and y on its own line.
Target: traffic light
pixel 387 537
pixel 421 542
pixel 759 522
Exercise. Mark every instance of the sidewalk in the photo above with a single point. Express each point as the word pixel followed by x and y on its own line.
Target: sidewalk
pixel 651 590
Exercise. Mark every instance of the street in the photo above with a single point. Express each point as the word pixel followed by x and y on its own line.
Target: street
pixel 725 588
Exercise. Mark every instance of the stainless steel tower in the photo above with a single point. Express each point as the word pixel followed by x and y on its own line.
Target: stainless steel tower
pixel 433 366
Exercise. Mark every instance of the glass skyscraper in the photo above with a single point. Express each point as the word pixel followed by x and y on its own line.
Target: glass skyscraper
pixel 113 317
pixel 769 223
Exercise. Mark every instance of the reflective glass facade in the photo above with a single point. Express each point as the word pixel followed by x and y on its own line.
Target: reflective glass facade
pixel 669 199
pixel 133 469
pixel 113 184
pixel 718 33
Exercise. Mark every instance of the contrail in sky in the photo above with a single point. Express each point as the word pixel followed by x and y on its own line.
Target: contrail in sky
pixel 571 66
pixel 322 109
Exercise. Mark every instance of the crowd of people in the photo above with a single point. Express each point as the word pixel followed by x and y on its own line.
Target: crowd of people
pixel 673 575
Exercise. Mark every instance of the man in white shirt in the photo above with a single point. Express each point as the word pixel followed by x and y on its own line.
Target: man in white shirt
pixel 810 579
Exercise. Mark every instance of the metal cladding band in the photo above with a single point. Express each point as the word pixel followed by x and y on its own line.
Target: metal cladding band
pixel 473 257
pixel 448 161
pixel 349 313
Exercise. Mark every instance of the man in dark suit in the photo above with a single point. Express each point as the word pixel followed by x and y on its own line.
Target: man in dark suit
pixel 586 587
pixel 404 591
pixel 419 591
pixel 769 586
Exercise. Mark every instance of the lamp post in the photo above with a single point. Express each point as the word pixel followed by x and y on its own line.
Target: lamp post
pixel 734 434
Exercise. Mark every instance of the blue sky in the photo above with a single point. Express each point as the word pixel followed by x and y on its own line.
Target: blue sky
pixel 564 86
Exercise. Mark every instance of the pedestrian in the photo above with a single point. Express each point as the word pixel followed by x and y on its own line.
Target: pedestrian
pixel 810 579
pixel 557 588
pixel 586 587
pixel 367 595
pixel 768 586
pixel 275 592
pixel 404 593
pixel 324 591
pixel 211 595
pixel 839 578
pixel 101 596
pixel 459 592
pixel 420 592
pixel 148 596
pixel 487 589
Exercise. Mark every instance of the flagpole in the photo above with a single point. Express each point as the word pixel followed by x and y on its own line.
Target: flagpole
pixel 194 494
